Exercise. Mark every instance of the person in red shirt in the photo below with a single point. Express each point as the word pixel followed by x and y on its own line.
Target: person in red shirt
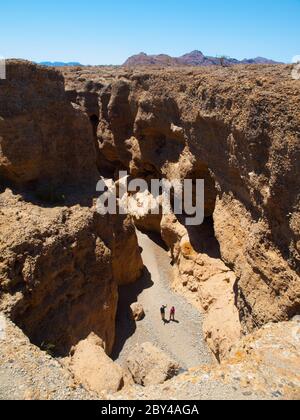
pixel 172 314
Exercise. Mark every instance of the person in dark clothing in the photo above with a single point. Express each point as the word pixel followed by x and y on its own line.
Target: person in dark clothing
pixel 163 312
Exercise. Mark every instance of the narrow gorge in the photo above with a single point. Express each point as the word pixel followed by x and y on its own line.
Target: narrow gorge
pixel 68 275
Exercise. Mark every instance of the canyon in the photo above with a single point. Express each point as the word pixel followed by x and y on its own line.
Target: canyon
pixel 68 275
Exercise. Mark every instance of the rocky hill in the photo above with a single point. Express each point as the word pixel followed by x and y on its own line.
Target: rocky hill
pixel 195 58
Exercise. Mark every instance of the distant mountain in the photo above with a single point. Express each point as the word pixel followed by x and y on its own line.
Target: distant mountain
pixel 259 60
pixel 195 58
pixel 143 59
pixel 59 64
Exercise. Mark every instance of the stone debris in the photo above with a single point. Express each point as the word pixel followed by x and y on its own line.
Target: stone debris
pixel 148 365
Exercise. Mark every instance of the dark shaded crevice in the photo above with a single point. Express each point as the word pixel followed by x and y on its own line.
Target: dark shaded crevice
pixel 94 119
pixel 245 311
pixel 125 324
pixel 203 239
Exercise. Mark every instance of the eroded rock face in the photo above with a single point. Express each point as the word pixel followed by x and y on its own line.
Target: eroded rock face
pixel 58 274
pixel 43 138
pixel 206 281
pixel 228 126
pixel 150 366
pixel 268 360
pixel 58 281
pixel 127 260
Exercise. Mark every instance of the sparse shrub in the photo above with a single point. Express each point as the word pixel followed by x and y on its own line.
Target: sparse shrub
pixel 49 194
pixel 187 249
pixel 49 348
pixel 222 60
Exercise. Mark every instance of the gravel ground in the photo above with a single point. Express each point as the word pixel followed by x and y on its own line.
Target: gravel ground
pixel 191 386
pixel 26 373
pixel 183 340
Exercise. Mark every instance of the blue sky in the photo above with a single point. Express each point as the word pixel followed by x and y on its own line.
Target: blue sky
pixel 108 31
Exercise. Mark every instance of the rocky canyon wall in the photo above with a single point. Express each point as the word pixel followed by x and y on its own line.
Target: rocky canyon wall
pixel 44 139
pixel 58 273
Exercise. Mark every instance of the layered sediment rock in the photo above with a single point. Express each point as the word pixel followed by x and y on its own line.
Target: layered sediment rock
pixel 43 138
pixel 58 273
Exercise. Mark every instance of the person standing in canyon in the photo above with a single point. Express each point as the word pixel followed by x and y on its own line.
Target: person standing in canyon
pixel 172 313
pixel 163 312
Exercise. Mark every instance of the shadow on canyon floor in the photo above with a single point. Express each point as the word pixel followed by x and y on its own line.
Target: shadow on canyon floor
pixel 125 324
pixel 156 238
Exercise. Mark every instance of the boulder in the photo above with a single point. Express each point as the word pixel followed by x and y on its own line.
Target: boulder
pixel 138 312
pixel 149 365
pixel 94 369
